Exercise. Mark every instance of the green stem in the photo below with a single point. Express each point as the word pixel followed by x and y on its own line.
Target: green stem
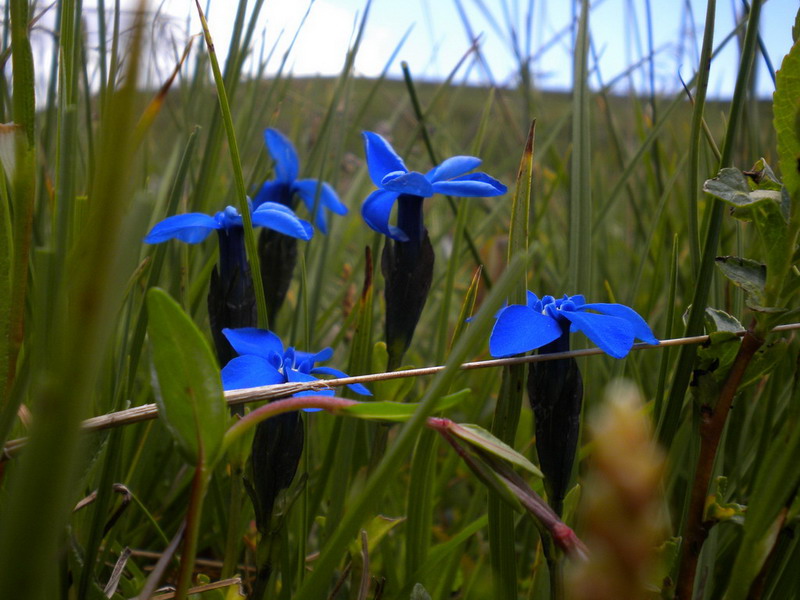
pixel 199 486
pixel 555 568
pixel 234 517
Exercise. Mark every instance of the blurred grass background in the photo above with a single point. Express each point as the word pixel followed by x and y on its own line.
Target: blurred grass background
pixel 110 160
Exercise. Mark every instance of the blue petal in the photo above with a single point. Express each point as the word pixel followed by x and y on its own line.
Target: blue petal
pixel 641 330
pixel 356 387
pixel 578 299
pixel 519 329
pixel 250 340
pixel 377 209
pixel 283 153
pixel 612 335
pixel 307 190
pixel 274 191
pixel 531 298
pixel 381 157
pixel 411 183
pixel 452 167
pixel 282 218
pixel 191 228
pixel 472 185
pixel 249 371
pixel 321 356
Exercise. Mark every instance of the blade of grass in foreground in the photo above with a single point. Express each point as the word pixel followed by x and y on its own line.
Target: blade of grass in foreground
pixel 24 192
pixel 42 485
pixel 512 388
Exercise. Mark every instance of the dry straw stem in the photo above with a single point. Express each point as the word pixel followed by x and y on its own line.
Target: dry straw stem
pixel 146 412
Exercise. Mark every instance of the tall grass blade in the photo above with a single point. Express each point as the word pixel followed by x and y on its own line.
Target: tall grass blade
pixel 669 424
pixel 42 486
pixel 512 387
pixel 580 194
pixel 238 177
pixel 703 70
pixel 22 194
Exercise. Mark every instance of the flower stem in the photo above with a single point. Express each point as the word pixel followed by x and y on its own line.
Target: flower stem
pixel 199 485
pixel 712 423
pixel 234 517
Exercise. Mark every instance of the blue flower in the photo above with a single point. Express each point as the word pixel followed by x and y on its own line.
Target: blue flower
pixel 394 181
pixel 263 360
pixel 193 228
pixel 612 327
pixel 283 188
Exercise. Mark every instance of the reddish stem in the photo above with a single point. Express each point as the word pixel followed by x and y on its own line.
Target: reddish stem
pixel 712 423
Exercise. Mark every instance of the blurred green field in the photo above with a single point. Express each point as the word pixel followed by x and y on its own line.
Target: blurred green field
pixel 97 169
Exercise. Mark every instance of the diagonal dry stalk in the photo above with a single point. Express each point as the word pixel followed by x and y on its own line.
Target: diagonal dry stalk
pixel 147 412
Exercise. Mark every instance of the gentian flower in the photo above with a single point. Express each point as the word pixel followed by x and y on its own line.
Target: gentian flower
pixel 407 260
pixel 612 327
pixel 263 360
pixel 408 188
pixel 277 252
pixel 231 299
pixel 555 387
pixel 286 185
pixel 278 442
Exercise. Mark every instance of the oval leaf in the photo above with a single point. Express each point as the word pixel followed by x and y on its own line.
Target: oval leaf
pixel 480 438
pixel 188 385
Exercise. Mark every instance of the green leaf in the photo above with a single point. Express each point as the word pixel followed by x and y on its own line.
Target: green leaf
pixel 747 274
pixel 714 358
pixel 399 411
pixel 376 529
pixel 478 437
pixel 764 361
pixel 785 107
pixel 723 511
pixel 718 321
pixel 731 186
pixel 419 593
pixel 188 388
pixel 467 307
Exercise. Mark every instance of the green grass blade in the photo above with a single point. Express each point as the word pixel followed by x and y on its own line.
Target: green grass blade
pixel 672 410
pixel 512 387
pixel 694 139
pixel 24 191
pixel 44 482
pixel 241 191
pixel 580 196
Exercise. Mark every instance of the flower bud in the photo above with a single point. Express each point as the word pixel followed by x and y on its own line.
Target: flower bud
pixel 555 391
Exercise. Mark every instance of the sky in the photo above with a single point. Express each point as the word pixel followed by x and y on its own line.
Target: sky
pixel 437 38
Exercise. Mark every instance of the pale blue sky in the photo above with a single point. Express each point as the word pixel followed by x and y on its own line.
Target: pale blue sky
pixel 438 37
